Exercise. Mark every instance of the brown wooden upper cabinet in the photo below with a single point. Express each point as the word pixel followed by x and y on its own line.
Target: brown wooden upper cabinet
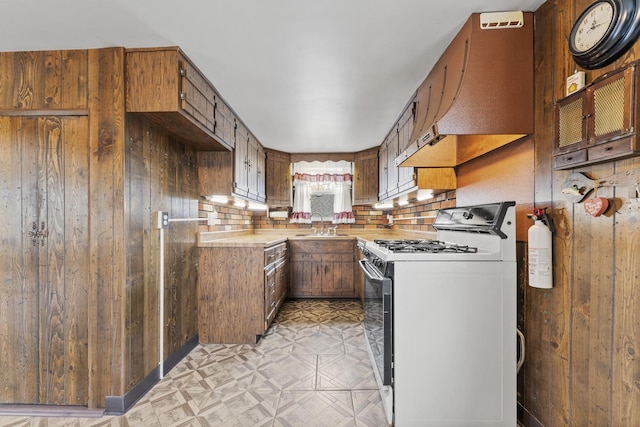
pixel 598 123
pixel 238 173
pixel 365 177
pixel 249 170
pixel 166 86
pixel 278 178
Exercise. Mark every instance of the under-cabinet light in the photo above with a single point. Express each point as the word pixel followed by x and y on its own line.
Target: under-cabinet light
pixel 239 203
pixel 216 198
pixel 424 195
pixel 257 206
pixel 383 206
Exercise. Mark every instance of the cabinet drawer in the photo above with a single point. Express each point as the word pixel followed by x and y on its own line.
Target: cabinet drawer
pixel 342 256
pixel 569 160
pixel 274 253
pixel 614 149
pixel 306 256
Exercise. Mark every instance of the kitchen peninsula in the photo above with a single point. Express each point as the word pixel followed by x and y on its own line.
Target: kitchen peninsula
pixel 237 302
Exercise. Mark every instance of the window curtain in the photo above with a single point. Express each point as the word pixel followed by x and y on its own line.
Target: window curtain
pixel 314 177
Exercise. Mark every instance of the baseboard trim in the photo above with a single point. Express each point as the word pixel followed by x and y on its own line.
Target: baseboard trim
pixel 119 405
pixel 526 418
pixel 11 410
pixel 180 354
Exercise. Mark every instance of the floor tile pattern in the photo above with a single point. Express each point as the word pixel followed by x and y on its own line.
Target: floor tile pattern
pixel 310 369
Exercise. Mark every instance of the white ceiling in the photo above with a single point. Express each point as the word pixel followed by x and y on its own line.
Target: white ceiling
pixel 304 75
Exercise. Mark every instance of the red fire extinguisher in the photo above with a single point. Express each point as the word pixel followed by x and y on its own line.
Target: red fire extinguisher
pixel 540 250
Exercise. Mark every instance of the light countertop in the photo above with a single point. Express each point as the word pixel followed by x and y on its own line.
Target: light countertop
pixel 266 238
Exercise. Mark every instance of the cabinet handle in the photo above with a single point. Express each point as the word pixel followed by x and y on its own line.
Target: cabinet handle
pixel 608 148
pixel 183 72
pixel 36 234
pixel 183 96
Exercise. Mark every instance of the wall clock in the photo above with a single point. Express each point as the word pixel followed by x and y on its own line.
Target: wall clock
pixel 604 31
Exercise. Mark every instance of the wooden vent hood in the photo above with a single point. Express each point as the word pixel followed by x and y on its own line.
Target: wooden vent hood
pixel 478 96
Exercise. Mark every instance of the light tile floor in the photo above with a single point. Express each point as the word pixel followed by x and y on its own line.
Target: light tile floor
pixel 310 369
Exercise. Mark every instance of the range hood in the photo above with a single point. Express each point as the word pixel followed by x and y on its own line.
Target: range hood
pixel 478 96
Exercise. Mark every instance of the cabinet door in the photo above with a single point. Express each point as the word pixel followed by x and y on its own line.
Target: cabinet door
pixel 338 278
pixel 571 123
pixel 241 170
pixel 306 275
pixel 406 175
pixel 278 178
pixel 383 176
pixel 44 260
pixel 224 124
pixel 282 275
pixel 392 169
pixel 270 295
pixel 611 104
pixel 260 190
pixel 365 177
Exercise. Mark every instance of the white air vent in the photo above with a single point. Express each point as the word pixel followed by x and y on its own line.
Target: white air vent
pixel 500 20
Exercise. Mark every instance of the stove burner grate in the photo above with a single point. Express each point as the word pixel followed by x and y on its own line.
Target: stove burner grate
pixel 430 246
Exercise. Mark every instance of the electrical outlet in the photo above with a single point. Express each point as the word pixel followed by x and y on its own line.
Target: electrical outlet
pixel 161 219
pixel 212 217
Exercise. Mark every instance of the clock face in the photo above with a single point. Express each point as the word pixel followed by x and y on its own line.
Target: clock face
pixel 593 26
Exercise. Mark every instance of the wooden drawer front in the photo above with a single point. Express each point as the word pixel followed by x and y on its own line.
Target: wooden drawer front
pixel 197 96
pixel 274 253
pixel 339 246
pixel 338 256
pixel 569 160
pixel 306 256
pixel 616 149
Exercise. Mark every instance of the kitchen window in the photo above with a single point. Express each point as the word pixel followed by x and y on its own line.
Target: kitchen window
pixel 322 190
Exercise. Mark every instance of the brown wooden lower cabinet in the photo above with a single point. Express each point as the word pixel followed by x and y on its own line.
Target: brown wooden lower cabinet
pixel 322 268
pixel 240 290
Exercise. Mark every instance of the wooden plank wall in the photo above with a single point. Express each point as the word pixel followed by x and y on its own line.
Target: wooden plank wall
pixel 109 342
pixel 584 334
pixel 161 176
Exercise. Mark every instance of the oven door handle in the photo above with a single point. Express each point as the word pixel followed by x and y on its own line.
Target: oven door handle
pixel 368 268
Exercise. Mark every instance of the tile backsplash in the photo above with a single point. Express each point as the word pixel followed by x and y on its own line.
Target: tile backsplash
pixel 417 215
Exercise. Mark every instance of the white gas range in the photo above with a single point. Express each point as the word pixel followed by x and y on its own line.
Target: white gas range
pixel 440 320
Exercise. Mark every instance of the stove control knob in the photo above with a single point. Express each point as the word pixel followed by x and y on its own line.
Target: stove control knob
pixel 467 215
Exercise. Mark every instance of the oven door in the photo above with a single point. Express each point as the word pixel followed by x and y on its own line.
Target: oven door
pixel 378 319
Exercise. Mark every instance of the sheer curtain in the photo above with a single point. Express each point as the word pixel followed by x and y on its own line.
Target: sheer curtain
pixel 310 177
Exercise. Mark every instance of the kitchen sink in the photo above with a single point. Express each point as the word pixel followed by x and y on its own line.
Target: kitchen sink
pixel 322 235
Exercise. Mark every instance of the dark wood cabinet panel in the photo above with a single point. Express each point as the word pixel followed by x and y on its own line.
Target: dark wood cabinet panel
pixel 598 123
pixel 167 87
pixel 278 178
pixel 239 172
pixel 237 303
pixel 322 268
pixel 44 260
pixel 365 176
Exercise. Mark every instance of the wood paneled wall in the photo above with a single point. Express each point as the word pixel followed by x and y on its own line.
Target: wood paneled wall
pixel 131 169
pixel 584 334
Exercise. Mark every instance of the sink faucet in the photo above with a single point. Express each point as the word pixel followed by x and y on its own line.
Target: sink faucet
pixel 321 223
